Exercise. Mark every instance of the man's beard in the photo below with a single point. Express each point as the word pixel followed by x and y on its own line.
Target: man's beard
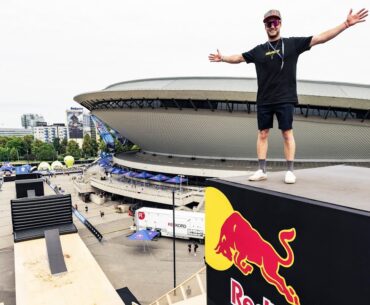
pixel 272 37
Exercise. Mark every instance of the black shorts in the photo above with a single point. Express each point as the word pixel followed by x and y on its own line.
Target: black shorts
pixel 284 114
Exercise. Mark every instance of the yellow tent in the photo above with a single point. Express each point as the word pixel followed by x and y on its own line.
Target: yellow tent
pixel 69 161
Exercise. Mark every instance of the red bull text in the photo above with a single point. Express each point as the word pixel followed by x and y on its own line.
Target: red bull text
pixel 239 298
pixel 243 245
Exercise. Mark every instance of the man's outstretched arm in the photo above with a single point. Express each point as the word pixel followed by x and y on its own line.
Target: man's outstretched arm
pixel 351 20
pixel 231 59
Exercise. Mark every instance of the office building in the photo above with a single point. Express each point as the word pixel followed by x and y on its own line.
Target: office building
pixel 49 133
pixel 31 120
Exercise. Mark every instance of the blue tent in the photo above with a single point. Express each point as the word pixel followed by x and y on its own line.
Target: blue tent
pixel 7 168
pixel 177 180
pixel 105 155
pixel 104 163
pixel 143 175
pixel 24 169
pixel 116 170
pixel 143 235
pixel 122 171
pixel 130 174
pixel 159 178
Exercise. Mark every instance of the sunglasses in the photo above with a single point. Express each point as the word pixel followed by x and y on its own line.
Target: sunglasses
pixel 274 22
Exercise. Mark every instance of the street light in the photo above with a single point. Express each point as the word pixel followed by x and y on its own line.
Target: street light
pixel 174 243
pixel 181 177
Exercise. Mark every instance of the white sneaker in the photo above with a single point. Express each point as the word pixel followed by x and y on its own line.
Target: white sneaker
pixel 290 178
pixel 258 176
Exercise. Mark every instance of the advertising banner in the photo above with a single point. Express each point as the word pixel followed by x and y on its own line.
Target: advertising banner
pixel 75 124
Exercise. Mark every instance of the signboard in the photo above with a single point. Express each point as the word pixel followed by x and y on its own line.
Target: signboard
pixel 75 124
pixel 269 248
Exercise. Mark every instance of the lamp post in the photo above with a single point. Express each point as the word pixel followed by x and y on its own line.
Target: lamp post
pixel 173 237
pixel 181 177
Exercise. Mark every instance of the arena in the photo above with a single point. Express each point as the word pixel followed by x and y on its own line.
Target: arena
pixel 215 118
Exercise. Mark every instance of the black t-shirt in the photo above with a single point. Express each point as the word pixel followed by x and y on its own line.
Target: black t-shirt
pixel 277 83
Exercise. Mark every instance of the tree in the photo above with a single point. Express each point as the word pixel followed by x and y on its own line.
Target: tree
pixel 118 147
pixel 4 154
pixel 95 148
pixel 36 144
pixel 87 151
pixel 56 144
pixel 18 144
pixel 73 149
pixel 3 141
pixel 13 155
pixel 63 146
pixel 102 146
pixel 46 152
pixel 28 140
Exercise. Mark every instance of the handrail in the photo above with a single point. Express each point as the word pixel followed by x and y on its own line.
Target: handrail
pixel 167 298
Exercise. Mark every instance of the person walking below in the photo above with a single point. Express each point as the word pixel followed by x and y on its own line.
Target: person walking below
pixel 195 249
pixel 86 208
pixel 276 63
pixel 189 248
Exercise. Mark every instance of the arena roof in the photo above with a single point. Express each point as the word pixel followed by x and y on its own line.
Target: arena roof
pixel 215 117
pixel 317 93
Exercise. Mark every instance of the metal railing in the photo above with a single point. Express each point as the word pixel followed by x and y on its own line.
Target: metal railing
pixel 192 287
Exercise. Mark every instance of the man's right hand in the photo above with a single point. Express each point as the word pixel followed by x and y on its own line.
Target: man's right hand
pixel 215 57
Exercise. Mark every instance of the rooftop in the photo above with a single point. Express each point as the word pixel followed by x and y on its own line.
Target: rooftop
pixel 227 88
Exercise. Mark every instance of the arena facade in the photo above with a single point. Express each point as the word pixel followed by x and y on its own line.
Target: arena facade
pixel 215 118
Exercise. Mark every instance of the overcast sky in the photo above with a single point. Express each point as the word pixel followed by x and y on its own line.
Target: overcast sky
pixel 51 51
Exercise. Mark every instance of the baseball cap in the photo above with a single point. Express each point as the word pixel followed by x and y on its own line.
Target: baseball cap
pixel 272 13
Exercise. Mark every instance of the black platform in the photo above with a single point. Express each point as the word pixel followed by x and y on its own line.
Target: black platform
pixel 345 186
pixel 327 217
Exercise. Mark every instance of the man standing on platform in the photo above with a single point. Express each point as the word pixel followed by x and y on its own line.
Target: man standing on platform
pixel 276 63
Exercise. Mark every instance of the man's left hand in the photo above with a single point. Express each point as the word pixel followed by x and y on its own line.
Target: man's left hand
pixel 360 16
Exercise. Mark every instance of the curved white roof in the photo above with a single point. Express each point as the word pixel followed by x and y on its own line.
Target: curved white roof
pixel 318 93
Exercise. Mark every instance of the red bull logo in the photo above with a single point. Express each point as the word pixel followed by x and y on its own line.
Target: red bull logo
pixel 238 297
pixel 241 245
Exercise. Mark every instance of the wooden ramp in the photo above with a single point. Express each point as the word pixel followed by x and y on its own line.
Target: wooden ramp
pixel 83 283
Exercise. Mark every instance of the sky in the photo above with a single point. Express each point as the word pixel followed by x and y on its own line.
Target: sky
pixel 51 51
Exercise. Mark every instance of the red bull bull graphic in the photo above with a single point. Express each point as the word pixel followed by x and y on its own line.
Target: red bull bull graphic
pixel 240 244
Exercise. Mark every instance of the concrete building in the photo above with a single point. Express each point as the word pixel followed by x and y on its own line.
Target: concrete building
pixel 49 133
pixel 15 132
pixel 31 120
